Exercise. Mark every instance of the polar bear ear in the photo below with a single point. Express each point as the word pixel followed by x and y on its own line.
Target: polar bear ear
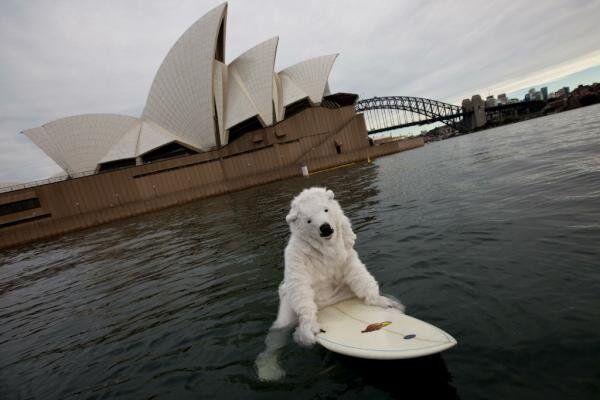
pixel 291 217
pixel 330 194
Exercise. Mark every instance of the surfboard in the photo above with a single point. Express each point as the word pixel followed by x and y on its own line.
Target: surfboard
pixel 355 329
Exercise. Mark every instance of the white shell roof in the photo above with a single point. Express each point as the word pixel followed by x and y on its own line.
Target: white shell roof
pixel 220 87
pixel 239 104
pixel 291 92
pixel 126 147
pixel 327 91
pixel 194 99
pixel 142 138
pixel 180 97
pixel 277 97
pixel 78 143
pixel 308 76
pixel 253 75
pixel 40 138
pixel 153 136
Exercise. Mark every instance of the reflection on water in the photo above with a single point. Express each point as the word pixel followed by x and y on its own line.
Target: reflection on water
pixel 426 377
pixel 491 236
pixel 268 366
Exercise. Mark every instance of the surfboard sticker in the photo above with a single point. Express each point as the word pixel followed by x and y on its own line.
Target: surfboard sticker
pixel 355 329
pixel 375 327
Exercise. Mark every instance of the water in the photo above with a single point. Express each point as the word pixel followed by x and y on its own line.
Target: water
pixel 493 237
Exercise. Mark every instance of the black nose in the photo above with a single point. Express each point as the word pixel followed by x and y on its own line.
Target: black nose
pixel 326 230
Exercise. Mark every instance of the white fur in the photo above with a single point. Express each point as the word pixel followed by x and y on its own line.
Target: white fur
pixel 321 271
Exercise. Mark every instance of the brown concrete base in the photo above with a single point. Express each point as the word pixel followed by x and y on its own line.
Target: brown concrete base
pixel 318 137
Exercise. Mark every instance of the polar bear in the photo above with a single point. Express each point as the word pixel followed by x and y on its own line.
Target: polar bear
pixel 321 268
pixel 321 265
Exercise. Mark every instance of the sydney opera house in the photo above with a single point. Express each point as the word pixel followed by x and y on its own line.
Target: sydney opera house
pixel 208 127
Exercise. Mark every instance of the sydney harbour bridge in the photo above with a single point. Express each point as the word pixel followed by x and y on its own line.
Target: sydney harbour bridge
pixel 396 112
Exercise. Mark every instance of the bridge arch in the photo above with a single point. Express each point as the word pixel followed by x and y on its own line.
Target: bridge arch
pixel 390 112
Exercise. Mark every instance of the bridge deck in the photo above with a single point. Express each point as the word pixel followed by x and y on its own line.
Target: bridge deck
pixel 414 123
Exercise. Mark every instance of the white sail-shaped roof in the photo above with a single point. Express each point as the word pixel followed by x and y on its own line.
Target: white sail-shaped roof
pixel 291 92
pixel 194 100
pixel 239 103
pixel 126 147
pixel 153 136
pixel 220 88
pixel 49 146
pixel 309 77
pixel 142 138
pixel 327 91
pixel 78 143
pixel 253 73
pixel 277 97
pixel 180 98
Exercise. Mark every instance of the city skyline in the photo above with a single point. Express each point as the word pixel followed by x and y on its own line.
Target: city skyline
pixel 585 77
pixel 51 48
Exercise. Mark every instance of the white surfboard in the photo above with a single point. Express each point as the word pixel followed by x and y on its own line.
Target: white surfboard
pixel 355 329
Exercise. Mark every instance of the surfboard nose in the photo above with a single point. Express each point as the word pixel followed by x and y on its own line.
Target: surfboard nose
pixel 359 330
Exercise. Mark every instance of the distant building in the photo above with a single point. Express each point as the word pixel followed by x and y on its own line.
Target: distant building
pixel 490 101
pixel 533 94
pixel 544 91
pixel 563 92
pixel 502 99
pixel 475 110
pixel 479 117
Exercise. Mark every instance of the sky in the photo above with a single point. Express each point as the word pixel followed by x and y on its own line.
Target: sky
pixel 62 58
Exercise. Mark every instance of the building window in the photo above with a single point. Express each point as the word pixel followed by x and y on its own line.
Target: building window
pixel 118 164
pixel 249 125
pixel 18 206
pixel 296 108
pixel 167 151
pixel 338 147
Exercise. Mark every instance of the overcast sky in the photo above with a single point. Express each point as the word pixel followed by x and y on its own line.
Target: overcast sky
pixel 61 58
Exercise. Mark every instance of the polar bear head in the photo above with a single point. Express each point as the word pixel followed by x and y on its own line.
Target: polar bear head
pixel 315 215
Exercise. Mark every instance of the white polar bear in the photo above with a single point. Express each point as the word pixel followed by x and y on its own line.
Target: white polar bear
pixel 321 265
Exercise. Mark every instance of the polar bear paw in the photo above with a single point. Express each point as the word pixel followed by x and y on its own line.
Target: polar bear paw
pixel 382 301
pixel 268 368
pixel 305 334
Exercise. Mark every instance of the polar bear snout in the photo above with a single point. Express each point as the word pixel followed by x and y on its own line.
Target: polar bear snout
pixel 325 230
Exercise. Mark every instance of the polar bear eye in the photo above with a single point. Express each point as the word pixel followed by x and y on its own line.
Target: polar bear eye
pixel 326 210
pixel 308 221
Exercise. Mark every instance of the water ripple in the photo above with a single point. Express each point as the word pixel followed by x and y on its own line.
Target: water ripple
pixel 492 236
